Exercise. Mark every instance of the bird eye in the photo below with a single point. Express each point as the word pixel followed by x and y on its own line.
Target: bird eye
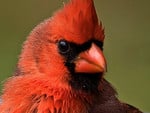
pixel 63 46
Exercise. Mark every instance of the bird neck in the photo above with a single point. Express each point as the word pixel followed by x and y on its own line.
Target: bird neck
pixel 38 94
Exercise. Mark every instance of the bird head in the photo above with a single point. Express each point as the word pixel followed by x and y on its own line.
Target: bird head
pixel 67 48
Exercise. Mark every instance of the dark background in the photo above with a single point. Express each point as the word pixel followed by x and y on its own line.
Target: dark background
pixel 127 43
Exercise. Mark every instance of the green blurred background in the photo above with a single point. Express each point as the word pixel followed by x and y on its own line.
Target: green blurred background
pixel 127 44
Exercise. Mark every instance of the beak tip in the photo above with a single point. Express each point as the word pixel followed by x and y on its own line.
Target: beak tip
pixel 91 61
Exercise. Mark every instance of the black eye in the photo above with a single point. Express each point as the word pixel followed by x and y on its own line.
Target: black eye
pixel 63 46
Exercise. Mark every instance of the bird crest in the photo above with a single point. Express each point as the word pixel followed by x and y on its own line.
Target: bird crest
pixel 78 19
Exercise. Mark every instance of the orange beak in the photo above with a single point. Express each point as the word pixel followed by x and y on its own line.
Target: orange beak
pixel 91 61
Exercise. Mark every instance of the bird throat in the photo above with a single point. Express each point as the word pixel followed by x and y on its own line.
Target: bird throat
pixel 86 82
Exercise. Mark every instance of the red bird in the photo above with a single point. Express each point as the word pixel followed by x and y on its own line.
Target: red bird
pixel 61 67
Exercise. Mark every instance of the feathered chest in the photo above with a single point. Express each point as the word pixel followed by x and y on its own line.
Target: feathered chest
pixel 38 95
pixel 67 103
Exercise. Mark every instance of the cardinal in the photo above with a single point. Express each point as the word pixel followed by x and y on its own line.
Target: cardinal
pixel 61 67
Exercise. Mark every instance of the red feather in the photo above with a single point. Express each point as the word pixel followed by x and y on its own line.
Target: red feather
pixel 41 81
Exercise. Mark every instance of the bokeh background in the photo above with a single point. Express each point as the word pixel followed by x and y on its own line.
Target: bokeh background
pixel 127 44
